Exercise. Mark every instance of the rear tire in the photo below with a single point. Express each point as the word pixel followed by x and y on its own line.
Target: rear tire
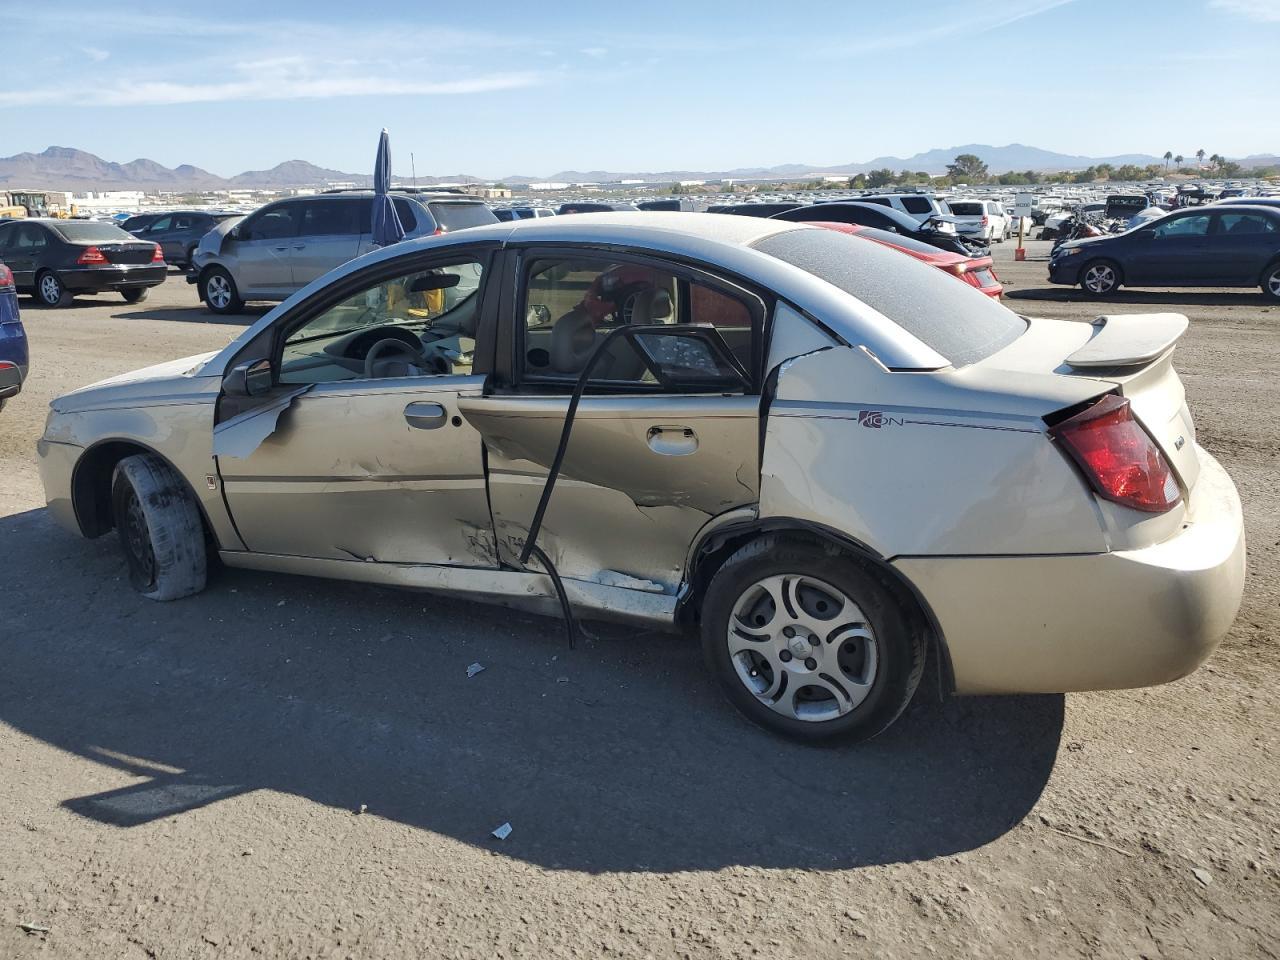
pixel 1271 282
pixel 809 642
pixel 218 291
pixel 160 529
pixel 134 296
pixel 1100 277
pixel 50 291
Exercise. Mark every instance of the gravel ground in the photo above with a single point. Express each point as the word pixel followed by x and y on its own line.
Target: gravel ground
pixel 183 780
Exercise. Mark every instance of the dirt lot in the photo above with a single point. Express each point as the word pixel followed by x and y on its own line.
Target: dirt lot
pixel 181 780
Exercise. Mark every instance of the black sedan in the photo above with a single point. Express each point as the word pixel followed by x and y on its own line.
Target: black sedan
pixel 178 232
pixel 55 259
pixel 937 231
pixel 1223 245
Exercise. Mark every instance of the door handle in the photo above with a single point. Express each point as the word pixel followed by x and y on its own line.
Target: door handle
pixel 672 440
pixel 299 246
pixel 282 248
pixel 424 416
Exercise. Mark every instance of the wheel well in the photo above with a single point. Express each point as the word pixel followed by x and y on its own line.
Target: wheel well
pixel 719 546
pixel 91 487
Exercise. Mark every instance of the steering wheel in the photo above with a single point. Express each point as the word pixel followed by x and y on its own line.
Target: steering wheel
pixel 389 345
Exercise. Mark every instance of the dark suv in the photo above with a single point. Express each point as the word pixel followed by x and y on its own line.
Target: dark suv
pixel 280 248
pixel 178 232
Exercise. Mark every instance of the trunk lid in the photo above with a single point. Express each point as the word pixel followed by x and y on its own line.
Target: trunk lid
pixel 1131 354
pixel 122 253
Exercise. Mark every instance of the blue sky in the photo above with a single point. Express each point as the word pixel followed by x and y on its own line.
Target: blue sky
pixel 503 88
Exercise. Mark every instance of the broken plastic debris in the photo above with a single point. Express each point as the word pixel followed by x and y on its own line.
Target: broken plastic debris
pixel 474 669
pixel 243 434
pixel 41 928
pixel 503 831
pixel 1202 875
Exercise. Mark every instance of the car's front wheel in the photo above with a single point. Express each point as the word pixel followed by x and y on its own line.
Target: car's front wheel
pixel 134 296
pixel 808 642
pixel 1100 278
pixel 50 291
pixel 1271 282
pixel 218 291
pixel 160 528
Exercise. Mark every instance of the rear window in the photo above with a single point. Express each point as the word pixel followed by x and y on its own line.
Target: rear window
pixel 954 319
pixel 78 231
pixel 459 216
pixel 404 210
pixel 966 209
pixel 917 205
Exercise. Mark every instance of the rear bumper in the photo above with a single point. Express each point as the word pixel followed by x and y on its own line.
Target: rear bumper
pixel 57 461
pixel 11 377
pixel 94 279
pixel 1130 618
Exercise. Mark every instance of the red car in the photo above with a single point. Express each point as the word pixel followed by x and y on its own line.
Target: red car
pixel 975 271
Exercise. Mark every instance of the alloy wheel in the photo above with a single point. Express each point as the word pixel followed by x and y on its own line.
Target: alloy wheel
pixel 1100 278
pixel 50 288
pixel 1273 283
pixel 217 291
pixel 802 647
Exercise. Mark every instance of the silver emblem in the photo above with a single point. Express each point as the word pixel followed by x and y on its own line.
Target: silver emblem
pixel 1177 444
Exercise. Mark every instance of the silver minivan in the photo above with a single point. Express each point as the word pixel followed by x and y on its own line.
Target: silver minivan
pixel 280 248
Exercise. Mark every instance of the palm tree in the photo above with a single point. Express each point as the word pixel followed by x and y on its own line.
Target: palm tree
pixel 1216 161
pixel 1168 155
pixel 1177 161
pixel 1200 156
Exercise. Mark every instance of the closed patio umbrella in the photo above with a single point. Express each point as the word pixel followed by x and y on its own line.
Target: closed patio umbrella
pixel 387 228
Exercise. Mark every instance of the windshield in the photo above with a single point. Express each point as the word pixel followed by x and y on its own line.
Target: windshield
pixel 954 319
pixel 90 231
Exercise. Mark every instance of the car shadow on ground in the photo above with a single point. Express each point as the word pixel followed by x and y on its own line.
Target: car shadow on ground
pixel 616 756
pixel 1181 298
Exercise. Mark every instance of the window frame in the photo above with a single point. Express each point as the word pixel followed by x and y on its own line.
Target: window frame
pixel 509 373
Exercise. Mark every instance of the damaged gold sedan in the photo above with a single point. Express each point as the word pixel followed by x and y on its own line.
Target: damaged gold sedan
pixel 833 462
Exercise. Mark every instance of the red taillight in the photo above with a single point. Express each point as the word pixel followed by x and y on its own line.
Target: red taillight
pixel 1120 460
pixel 986 220
pixel 91 257
pixel 6 276
pixel 158 256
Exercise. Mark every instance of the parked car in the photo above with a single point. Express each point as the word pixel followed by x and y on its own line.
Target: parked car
pixel 938 232
pixel 978 272
pixel 1223 245
pixel 920 207
pixel 280 248
pixel 592 206
pixel 52 260
pixel 1023 224
pixel 981 219
pixel 1253 202
pixel 14 355
pixel 179 232
pixel 831 460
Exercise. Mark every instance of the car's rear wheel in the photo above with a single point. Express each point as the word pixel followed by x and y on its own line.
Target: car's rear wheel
pixel 1271 282
pixel 218 290
pixel 134 296
pixel 159 527
pixel 50 291
pixel 1100 278
pixel 808 642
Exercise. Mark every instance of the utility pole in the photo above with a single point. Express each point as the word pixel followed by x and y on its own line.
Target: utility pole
pixel 413 170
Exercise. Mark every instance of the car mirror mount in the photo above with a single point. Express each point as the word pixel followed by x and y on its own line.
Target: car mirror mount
pixel 251 379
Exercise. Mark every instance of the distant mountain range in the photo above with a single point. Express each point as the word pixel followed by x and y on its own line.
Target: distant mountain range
pixel 66 168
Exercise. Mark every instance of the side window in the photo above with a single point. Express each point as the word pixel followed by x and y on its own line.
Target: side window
pixel 157 226
pixel 1196 226
pixel 274 223
pixel 881 201
pixel 404 210
pixel 1245 224
pixel 917 205
pixel 184 222
pixel 31 238
pixel 418 324
pixel 7 234
pixel 326 218
pixel 571 305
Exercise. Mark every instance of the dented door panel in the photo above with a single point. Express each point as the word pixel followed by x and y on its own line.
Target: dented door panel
pixel 641 476
pixel 346 475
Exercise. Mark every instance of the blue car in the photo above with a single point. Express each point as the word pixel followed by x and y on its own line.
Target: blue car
pixel 1222 245
pixel 13 339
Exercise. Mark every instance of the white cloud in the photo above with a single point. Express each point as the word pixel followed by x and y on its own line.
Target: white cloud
pixel 967 23
pixel 1267 11
pixel 95 54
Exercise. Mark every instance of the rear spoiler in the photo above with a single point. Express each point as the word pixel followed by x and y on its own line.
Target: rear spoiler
pixel 1129 340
